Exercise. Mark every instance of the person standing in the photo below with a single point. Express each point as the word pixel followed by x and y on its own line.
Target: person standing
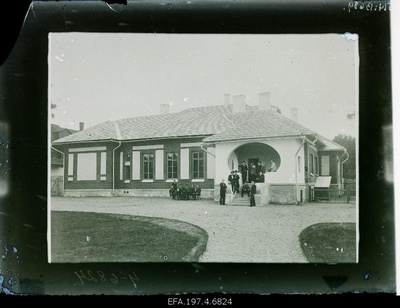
pixel 236 182
pixel 252 172
pixel 253 191
pixel 222 192
pixel 231 179
pixel 263 167
pixel 258 168
pixel 243 171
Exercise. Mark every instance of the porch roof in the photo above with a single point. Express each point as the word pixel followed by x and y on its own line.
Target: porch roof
pixel 256 124
pixel 331 145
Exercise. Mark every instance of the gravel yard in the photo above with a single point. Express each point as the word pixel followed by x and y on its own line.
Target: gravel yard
pixel 262 234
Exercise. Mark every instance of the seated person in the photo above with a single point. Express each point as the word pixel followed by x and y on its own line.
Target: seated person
pixel 273 167
pixel 186 192
pixel 191 192
pixel 197 192
pixel 260 178
pixel 172 192
pixel 245 189
pixel 180 192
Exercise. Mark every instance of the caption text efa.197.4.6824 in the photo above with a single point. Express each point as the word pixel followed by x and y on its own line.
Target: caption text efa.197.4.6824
pixel 199 301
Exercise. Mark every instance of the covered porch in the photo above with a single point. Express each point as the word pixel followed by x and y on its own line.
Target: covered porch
pixel 282 184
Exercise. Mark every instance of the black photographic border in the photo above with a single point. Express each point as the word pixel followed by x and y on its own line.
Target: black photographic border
pixel 24 107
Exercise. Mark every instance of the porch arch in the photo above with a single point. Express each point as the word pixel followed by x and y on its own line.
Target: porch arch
pixel 254 151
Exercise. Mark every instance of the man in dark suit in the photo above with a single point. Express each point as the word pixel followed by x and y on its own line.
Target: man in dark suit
pixel 243 171
pixel 172 192
pixel 179 193
pixel 231 180
pixel 260 178
pixel 174 189
pixel 252 172
pixel 258 168
pixel 192 192
pixel 245 189
pixel 253 191
pixel 174 185
pixel 236 181
pixel 222 192
pixel 186 192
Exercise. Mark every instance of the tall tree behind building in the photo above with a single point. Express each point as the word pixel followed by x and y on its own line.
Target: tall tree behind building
pixel 349 142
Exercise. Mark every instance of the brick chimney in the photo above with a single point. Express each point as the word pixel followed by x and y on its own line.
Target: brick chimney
pixel 164 108
pixel 227 99
pixel 239 103
pixel 264 101
pixel 294 112
pixel 81 126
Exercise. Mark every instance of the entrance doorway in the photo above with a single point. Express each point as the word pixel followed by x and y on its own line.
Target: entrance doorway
pixel 253 153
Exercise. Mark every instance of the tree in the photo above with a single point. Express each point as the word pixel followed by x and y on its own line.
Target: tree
pixel 349 167
pixel 53 106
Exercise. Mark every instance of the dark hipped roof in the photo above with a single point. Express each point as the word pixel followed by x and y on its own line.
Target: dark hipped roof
pixel 57 128
pixel 216 123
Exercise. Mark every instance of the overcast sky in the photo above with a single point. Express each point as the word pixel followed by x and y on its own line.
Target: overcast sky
pixel 96 77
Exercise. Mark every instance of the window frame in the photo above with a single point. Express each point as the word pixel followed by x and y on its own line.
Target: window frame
pixel 173 173
pixel 144 161
pixel 196 162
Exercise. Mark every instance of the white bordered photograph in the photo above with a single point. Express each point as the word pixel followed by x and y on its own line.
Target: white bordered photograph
pixel 222 148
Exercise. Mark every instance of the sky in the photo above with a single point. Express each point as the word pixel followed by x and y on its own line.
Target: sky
pixel 95 77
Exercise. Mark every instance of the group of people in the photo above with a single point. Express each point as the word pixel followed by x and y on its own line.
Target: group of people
pixel 256 171
pixel 184 192
pixel 256 175
pixel 246 189
pixel 233 180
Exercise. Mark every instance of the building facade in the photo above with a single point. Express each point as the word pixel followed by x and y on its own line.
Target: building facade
pixel 142 156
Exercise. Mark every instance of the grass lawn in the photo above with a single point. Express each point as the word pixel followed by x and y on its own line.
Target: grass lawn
pixel 329 243
pixel 96 237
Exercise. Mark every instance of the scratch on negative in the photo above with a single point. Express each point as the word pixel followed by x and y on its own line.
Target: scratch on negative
pixel 349 36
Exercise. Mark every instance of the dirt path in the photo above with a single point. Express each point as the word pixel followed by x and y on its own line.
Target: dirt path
pixel 236 234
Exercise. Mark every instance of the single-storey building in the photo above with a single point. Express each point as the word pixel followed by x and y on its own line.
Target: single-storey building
pixel 57 163
pixel 142 156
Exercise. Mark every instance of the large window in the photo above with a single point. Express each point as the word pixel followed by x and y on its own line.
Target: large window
pixel 172 165
pixel 198 165
pixel 87 164
pixel 148 166
pixel 325 165
pixel 87 167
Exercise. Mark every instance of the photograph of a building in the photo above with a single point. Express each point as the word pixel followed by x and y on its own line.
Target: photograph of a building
pixel 141 156
pixel 228 148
